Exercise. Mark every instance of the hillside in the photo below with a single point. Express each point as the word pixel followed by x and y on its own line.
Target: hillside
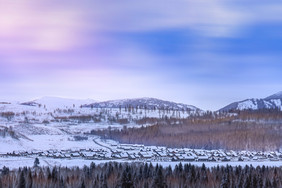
pixel 247 130
pixel 143 103
pixel 271 102
pixel 50 114
pixel 57 102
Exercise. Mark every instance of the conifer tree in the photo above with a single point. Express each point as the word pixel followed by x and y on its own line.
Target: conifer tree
pixel 82 185
pixel 126 180
pixel 21 182
pixel 36 162
pixel 159 179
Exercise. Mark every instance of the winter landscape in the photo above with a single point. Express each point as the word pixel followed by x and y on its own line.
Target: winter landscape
pixel 140 94
pixel 62 132
pixel 59 133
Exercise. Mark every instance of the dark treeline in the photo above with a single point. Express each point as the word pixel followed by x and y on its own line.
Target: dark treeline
pixel 139 175
pixel 248 130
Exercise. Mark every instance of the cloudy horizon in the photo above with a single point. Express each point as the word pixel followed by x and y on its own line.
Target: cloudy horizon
pixel 204 53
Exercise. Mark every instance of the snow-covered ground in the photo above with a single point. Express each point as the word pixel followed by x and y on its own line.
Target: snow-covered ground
pixel 16 162
pixel 67 114
pixel 271 102
pixel 65 150
pixel 50 123
pixel 45 143
pixel 52 129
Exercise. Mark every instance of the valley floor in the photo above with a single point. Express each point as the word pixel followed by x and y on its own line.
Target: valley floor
pixel 66 138
pixel 16 162
pixel 64 150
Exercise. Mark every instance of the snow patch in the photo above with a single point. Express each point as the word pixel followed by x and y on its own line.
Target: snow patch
pixel 249 104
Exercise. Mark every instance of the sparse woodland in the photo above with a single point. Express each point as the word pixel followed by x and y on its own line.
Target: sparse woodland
pixel 139 175
pixel 248 130
pixel 4 132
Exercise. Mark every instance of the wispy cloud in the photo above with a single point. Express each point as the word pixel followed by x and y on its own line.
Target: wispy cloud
pixel 178 50
pixel 34 25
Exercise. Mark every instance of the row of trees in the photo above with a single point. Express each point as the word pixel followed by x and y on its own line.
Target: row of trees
pixel 7 115
pixel 135 175
pixel 245 131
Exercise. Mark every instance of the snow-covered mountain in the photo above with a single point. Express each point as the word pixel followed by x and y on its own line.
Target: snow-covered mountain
pixel 143 103
pixel 49 115
pixel 271 102
pixel 57 102
pixel 275 96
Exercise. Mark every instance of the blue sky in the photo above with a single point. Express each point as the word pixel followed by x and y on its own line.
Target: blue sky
pixel 204 53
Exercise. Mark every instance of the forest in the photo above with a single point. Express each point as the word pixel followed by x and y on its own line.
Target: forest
pixel 245 130
pixel 140 175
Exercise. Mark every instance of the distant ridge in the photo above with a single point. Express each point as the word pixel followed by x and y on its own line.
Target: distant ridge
pixel 56 102
pixel 272 102
pixel 149 103
pixel 275 96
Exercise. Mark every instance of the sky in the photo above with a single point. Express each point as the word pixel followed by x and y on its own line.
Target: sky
pixel 203 53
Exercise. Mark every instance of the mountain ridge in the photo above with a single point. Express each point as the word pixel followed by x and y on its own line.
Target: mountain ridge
pixel 50 101
pixel 145 102
pixel 271 102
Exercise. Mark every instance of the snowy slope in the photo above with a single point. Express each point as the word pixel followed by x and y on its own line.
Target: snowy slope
pixel 57 102
pixel 143 103
pixel 271 102
pixel 45 143
pixel 56 116
pixel 275 96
